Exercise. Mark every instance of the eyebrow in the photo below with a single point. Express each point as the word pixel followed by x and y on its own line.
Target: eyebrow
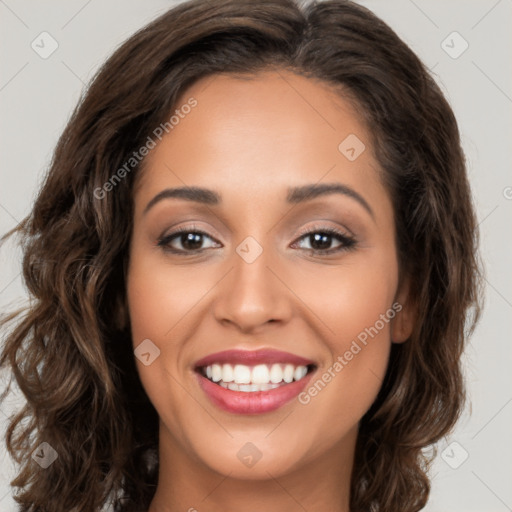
pixel 295 195
pixel 308 192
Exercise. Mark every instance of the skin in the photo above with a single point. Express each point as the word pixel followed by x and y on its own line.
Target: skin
pixel 249 140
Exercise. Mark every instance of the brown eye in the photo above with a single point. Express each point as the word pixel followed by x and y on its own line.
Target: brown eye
pixel 184 240
pixel 320 240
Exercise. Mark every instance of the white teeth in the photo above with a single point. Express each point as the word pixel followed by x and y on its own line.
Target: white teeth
pixel 227 373
pixel 288 373
pixel 248 388
pixel 241 374
pixel 260 374
pixel 216 372
pixel 300 372
pixel 254 378
pixel 276 373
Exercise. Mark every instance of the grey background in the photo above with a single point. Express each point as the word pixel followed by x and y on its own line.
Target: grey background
pixel 37 96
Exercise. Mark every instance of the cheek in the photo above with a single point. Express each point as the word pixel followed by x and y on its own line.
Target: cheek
pixel 355 305
pixel 349 298
pixel 154 310
pixel 159 295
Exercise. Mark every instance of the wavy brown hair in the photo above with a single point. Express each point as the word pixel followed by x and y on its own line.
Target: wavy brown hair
pixel 70 349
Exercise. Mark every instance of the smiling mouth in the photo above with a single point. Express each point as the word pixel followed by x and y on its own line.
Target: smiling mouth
pixel 255 378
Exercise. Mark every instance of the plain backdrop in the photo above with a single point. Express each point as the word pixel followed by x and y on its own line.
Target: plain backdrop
pixel 473 469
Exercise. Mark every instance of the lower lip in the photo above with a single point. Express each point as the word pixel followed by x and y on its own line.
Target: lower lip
pixel 253 402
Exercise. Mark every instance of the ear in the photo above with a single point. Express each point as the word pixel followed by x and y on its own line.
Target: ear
pixel 402 324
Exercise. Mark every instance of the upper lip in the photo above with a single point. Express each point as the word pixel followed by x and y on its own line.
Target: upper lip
pixel 253 357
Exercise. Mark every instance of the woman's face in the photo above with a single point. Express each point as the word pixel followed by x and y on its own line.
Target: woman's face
pixel 243 275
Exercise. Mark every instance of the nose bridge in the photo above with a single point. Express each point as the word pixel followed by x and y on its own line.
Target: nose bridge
pixel 253 261
pixel 252 295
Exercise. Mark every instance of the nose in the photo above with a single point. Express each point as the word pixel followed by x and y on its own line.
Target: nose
pixel 253 294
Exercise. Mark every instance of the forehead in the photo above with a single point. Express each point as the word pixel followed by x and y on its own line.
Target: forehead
pixel 248 132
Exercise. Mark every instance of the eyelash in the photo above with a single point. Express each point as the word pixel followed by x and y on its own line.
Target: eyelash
pixel 348 242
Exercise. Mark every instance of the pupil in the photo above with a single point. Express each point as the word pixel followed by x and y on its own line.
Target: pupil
pixel 320 241
pixel 191 240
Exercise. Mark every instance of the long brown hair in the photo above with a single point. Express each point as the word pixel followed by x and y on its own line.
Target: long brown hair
pixel 70 349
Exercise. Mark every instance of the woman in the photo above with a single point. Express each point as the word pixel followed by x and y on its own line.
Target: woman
pixel 252 262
